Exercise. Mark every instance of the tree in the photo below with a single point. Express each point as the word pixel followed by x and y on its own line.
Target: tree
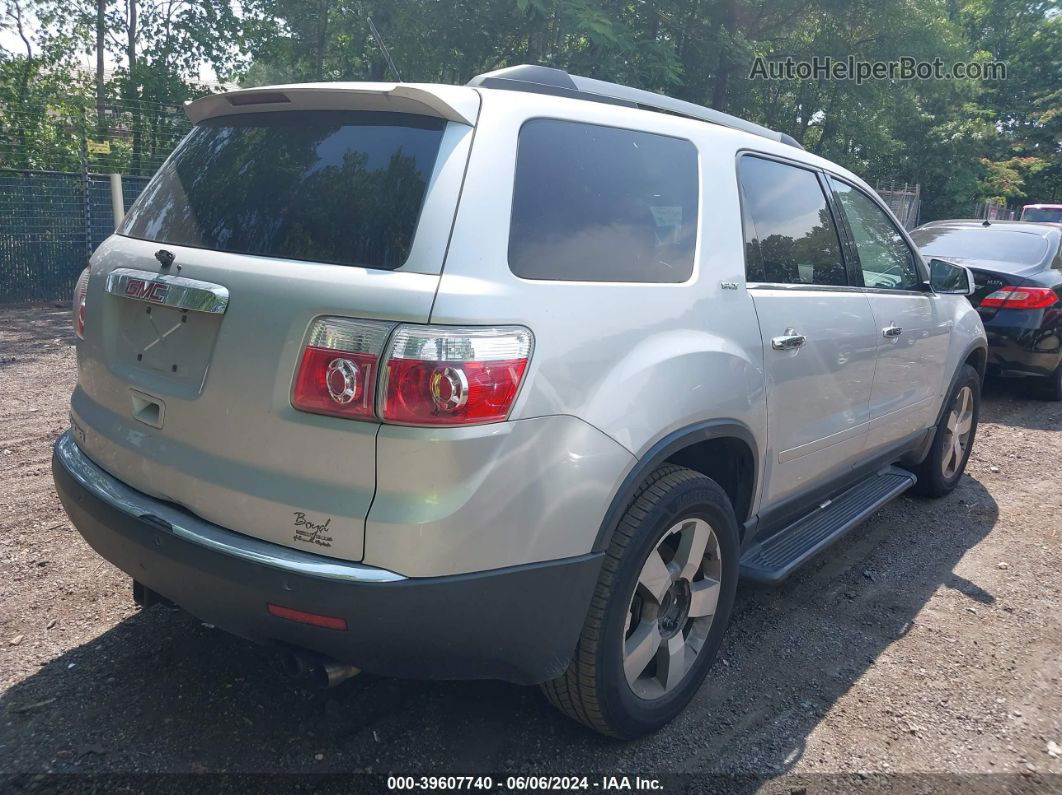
pixel 1027 106
pixel 963 140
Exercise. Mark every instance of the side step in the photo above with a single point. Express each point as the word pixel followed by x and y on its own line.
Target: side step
pixel 775 558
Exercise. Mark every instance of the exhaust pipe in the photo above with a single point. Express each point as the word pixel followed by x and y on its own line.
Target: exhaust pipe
pixel 322 672
pixel 330 673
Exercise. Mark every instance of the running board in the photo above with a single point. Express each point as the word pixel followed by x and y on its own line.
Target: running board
pixel 775 558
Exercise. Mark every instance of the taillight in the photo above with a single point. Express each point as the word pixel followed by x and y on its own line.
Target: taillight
pixel 337 374
pixel 435 375
pixel 80 293
pixel 431 375
pixel 1020 298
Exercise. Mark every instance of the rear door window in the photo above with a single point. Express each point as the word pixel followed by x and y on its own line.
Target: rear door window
pixel 593 203
pixel 790 236
pixel 342 187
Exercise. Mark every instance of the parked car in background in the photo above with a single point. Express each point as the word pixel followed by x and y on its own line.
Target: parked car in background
pixel 1017 268
pixel 1050 213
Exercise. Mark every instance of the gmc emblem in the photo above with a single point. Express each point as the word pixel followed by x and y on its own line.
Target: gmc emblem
pixel 146 291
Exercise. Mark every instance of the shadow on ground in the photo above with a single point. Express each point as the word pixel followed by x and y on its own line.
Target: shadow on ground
pixel 1009 400
pixel 29 332
pixel 160 692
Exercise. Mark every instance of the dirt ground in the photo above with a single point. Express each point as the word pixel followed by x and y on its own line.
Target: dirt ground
pixel 928 642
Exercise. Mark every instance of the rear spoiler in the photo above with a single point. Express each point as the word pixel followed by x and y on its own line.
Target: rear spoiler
pixel 453 103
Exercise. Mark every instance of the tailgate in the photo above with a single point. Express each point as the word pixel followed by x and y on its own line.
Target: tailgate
pixel 194 407
pixel 271 220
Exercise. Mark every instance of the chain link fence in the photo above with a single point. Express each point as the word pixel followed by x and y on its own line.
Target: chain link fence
pixel 55 194
pixel 50 223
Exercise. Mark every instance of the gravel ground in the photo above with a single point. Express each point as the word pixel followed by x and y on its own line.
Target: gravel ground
pixel 928 642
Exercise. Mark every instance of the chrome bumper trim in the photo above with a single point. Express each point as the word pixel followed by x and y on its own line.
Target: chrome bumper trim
pixel 197 531
pixel 175 291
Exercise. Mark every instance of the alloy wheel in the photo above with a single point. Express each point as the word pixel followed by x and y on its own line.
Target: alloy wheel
pixel 672 608
pixel 957 431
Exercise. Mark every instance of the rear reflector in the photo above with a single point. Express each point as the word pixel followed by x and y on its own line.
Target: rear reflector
pixel 438 375
pixel 325 622
pixel 337 374
pixel 1020 298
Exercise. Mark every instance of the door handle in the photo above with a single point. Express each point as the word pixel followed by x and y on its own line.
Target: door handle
pixel 891 331
pixel 790 340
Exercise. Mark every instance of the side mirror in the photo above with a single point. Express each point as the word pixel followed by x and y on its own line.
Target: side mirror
pixel 950 279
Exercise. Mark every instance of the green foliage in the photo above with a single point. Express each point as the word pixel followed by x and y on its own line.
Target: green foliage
pixel 37 127
pixel 1006 178
pixel 962 140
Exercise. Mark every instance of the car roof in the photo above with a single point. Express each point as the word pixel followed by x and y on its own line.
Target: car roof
pixel 1042 207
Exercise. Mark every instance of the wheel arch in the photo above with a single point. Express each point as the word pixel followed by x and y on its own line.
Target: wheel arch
pixel 975 355
pixel 711 448
pixel 978 359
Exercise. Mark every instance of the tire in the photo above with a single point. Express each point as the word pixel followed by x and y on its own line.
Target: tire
pixel 1051 386
pixel 669 514
pixel 939 473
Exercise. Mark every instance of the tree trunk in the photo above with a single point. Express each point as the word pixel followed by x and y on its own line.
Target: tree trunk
pixel 15 10
pixel 133 91
pixel 687 53
pixel 721 87
pixel 828 125
pixel 101 34
pixel 802 109
pixel 321 42
pixel 130 47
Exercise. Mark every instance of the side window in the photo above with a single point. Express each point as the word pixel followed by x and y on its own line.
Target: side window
pixel 884 256
pixel 593 203
pixel 790 237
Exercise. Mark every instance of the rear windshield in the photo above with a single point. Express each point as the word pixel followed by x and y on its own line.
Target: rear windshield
pixel 1020 248
pixel 1049 214
pixel 341 187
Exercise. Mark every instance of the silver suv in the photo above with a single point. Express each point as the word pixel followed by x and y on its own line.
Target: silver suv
pixel 510 380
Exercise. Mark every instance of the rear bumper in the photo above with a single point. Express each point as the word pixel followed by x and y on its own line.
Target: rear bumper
pixel 518 624
pixel 1021 343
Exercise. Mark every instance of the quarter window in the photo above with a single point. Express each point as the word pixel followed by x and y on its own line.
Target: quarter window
pixel 593 203
pixel 790 236
pixel 884 256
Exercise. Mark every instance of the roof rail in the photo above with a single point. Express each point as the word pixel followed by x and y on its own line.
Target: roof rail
pixel 547 80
